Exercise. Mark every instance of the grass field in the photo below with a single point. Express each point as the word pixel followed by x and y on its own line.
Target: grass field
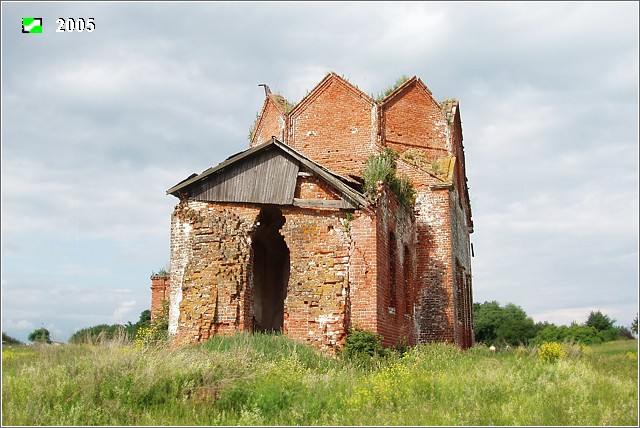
pixel 270 380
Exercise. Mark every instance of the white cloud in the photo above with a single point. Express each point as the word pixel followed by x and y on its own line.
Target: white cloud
pixel 411 30
pixel 581 212
pixel 123 311
pixel 11 324
pixel 86 204
pixel 569 315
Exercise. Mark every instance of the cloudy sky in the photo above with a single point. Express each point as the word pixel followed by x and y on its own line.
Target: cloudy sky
pixel 96 126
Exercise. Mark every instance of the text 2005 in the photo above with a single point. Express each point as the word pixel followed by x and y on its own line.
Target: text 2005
pixel 75 24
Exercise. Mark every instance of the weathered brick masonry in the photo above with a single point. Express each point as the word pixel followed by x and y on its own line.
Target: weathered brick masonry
pixel 281 237
pixel 159 293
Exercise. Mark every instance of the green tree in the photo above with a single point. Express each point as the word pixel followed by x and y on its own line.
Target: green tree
pixel 40 335
pixel 585 334
pixel 108 332
pixel 486 318
pixel 143 322
pixel 497 325
pixel 548 332
pixel 597 329
pixel 145 318
pixel 604 325
pixel 634 325
pixel 624 333
pixel 97 333
pixel 10 340
pixel 516 326
pixel 599 320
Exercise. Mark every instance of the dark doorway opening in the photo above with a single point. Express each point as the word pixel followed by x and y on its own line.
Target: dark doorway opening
pixel 270 270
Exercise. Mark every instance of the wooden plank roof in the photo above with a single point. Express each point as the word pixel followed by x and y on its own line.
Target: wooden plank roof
pixel 265 173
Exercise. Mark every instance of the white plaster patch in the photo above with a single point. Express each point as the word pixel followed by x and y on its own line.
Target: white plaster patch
pixel 181 232
pixel 444 131
pixel 325 319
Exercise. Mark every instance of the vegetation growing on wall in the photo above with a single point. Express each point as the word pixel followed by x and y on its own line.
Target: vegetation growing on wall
pixel 389 90
pixel 163 271
pixel 382 167
pixel 252 128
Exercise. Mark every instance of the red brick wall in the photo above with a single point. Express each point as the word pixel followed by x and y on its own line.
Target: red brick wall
pixel 316 302
pixel 460 168
pixel 216 281
pixel 339 271
pixel 420 179
pixel 214 278
pixel 395 285
pixel 336 125
pixel 313 188
pixel 435 280
pixel 413 119
pixel 363 270
pixel 159 293
pixel 461 253
pixel 271 123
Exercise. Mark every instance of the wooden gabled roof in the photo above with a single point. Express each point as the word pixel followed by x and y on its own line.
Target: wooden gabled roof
pixel 267 174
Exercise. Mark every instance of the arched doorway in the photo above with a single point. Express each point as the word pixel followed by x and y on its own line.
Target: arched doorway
pixel 270 270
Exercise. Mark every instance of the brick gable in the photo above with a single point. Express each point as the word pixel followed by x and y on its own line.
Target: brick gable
pixel 413 119
pixel 335 125
pixel 271 120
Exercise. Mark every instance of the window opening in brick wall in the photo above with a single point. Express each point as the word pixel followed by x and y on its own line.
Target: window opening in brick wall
pixel 392 270
pixel 469 317
pixel 464 307
pixel 270 271
pixel 406 272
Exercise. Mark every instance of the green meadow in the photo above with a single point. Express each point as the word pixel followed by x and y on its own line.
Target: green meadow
pixel 266 379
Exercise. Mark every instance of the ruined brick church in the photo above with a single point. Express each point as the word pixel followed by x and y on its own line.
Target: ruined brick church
pixel 283 237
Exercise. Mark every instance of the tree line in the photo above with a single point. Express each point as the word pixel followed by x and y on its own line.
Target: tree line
pixel 90 334
pixel 494 325
pixel 510 325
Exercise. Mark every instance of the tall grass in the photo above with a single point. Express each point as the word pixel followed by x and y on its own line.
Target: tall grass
pixel 271 380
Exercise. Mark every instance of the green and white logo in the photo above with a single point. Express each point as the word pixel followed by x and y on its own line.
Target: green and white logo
pixel 32 25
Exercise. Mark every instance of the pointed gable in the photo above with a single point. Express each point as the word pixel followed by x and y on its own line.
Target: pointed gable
pixel 413 119
pixel 335 125
pixel 272 119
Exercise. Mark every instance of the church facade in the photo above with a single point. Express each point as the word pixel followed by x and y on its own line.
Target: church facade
pixel 284 236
